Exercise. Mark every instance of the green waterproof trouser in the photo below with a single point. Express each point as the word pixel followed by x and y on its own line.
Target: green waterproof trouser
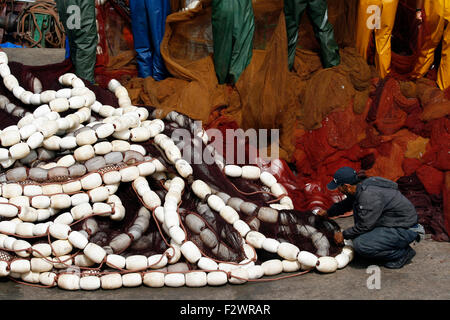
pixel 233 26
pixel 78 18
pixel 317 10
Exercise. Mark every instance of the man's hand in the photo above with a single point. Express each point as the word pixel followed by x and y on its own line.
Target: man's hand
pixel 338 237
pixel 419 16
pixel 322 213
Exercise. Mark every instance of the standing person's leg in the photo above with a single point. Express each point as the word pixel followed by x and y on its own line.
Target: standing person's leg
pixel 383 37
pixel 293 11
pixel 79 20
pixel 61 6
pixel 86 42
pixel 433 28
pixel 366 24
pixel 222 21
pixel 157 12
pixel 444 68
pixel 243 31
pixel 329 49
pixel 142 38
pixel 388 245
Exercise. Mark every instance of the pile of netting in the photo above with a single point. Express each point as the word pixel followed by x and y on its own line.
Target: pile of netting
pixel 91 201
pixel 99 193
pixel 399 128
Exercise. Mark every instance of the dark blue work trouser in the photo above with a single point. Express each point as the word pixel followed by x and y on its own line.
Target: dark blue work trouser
pixel 384 243
pixel 148 20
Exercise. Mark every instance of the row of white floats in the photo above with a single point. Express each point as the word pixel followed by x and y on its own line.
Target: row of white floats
pixel 44 126
pixel 39 270
pixel 43 193
pixel 287 251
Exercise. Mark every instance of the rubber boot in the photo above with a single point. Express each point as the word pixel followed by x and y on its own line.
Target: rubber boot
pixel 233 29
pixel 383 37
pixel 148 19
pixel 444 68
pixel 369 13
pixel 317 10
pixel 79 20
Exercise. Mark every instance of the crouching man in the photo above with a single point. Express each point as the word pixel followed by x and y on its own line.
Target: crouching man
pixel 385 221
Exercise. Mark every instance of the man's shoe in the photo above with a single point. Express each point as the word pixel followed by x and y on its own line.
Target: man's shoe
pixel 397 264
pixel 419 229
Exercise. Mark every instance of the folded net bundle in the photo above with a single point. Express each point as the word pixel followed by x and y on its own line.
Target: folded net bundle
pixel 96 194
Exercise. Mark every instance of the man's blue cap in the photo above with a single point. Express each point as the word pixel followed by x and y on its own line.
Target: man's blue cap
pixel 344 175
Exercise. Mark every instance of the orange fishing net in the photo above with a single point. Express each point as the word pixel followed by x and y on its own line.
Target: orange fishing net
pixel 266 95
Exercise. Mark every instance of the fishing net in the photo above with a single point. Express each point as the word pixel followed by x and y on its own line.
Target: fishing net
pixel 432 215
pixel 328 118
pixel 391 119
pixel 140 232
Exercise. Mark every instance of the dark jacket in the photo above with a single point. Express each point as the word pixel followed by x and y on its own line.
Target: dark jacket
pixel 377 202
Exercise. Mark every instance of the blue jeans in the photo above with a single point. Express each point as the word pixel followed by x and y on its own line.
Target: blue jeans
pixel 384 243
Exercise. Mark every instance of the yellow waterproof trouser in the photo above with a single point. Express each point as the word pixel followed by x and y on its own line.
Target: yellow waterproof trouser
pixel 369 13
pixel 437 18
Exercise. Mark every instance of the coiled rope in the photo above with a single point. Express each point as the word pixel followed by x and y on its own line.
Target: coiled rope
pixel 27 23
